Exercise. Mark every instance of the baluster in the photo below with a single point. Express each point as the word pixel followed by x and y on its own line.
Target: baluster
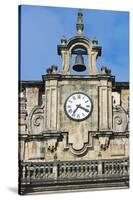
pixel 62 171
pixel 75 170
pixel 28 171
pixel 108 171
pixel 122 168
pixel 38 171
pixel 125 168
pixel 67 174
pixel 115 168
pixel 97 168
pixel 71 170
pixel 61 168
pixel 94 170
pixel 48 171
pixel 51 170
pixel 34 172
pixel 83 169
pixel 44 174
pixel 79 170
pixel 68 170
pixel 86 170
pixel 81 174
pixel 106 168
pixel 23 171
pixel 111 168
pixel 118 168
pixel 41 171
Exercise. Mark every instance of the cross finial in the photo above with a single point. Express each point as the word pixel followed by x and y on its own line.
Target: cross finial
pixel 79 24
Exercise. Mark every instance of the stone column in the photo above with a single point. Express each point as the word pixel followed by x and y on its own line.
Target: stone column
pixel 55 167
pixel 51 105
pixel 92 63
pixel 65 62
pixel 103 108
pixel 99 167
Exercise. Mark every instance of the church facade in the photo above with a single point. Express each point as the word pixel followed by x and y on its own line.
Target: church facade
pixel 74 128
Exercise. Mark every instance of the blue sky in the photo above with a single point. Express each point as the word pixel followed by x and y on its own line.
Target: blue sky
pixel 42 28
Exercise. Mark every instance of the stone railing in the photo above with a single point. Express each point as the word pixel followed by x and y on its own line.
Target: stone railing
pixel 116 167
pixel 80 169
pixel 44 172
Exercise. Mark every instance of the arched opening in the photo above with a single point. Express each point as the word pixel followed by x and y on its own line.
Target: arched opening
pixel 79 60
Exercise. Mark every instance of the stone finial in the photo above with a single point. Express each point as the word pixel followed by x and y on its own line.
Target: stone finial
pixel 79 24
pixel 63 40
pixel 52 69
pixel 105 70
pixel 95 41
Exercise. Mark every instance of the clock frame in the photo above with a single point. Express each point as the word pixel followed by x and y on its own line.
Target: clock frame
pixel 80 107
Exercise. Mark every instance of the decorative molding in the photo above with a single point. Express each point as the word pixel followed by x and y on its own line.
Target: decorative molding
pixel 120 119
pixel 104 142
pixel 36 120
pixel 79 152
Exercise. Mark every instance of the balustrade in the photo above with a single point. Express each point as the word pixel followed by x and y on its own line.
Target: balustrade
pixel 58 170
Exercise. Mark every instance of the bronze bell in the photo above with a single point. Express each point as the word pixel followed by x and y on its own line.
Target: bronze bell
pixel 79 64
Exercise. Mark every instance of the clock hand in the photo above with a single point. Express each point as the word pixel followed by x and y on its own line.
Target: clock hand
pixel 83 108
pixel 76 108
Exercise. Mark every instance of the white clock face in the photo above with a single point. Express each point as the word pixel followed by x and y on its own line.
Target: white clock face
pixel 78 106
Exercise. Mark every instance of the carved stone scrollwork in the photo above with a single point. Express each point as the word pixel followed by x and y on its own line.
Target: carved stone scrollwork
pixel 36 120
pixel 120 119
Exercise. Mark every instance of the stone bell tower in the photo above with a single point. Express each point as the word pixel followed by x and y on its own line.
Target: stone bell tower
pixel 80 134
pixel 79 45
pixel 76 135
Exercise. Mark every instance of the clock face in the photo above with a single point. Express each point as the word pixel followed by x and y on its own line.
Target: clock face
pixel 78 106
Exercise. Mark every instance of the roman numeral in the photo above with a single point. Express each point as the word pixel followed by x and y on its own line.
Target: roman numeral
pixel 79 96
pixel 70 110
pixel 78 116
pixel 74 98
pixel 87 106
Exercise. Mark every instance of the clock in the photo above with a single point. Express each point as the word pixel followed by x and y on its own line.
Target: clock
pixel 78 106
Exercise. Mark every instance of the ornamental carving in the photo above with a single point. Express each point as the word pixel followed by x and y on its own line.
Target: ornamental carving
pixel 120 119
pixel 52 145
pixel 36 120
pixel 86 146
pixel 104 143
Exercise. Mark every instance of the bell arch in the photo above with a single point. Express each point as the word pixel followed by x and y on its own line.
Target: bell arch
pixel 66 48
pixel 86 47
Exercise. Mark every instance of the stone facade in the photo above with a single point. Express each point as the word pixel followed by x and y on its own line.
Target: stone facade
pixel 51 142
